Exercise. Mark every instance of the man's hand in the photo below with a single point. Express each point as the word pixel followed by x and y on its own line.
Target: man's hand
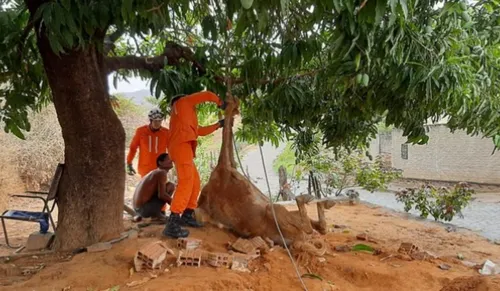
pixel 223 105
pixel 221 123
pixel 130 170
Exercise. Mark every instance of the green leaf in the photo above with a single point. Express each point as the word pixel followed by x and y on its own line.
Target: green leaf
pixel 66 4
pixel 263 20
pixel 362 247
pixel 247 4
pixel 394 4
pixel 365 80
pixel 338 5
pixel 404 6
pixel 496 140
pixel 359 78
pixel 357 60
pixel 39 12
pixel 209 27
pixel 68 38
pixel 350 6
pixel 70 22
pixel 312 276
pixel 127 9
pixel 16 131
pixel 284 6
pixel 380 11
pixel 55 45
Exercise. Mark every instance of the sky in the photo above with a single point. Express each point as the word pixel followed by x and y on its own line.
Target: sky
pixel 134 84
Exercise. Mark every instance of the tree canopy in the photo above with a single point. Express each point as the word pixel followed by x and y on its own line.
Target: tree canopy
pixel 300 67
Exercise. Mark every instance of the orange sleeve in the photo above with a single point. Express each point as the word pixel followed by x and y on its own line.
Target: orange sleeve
pixel 206 130
pixel 200 97
pixel 134 144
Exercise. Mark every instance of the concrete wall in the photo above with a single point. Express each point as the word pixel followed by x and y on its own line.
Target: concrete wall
pixel 385 142
pixel 448 157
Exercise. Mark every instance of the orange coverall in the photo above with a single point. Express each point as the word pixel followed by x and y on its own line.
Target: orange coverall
pixel 151 145
pixel 184 132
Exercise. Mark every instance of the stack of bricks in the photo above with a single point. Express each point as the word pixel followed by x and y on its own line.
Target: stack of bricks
pixel 189 258
pixel 150 256
pixel 188 243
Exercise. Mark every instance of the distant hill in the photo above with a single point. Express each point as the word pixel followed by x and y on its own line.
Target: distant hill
pixel 138 97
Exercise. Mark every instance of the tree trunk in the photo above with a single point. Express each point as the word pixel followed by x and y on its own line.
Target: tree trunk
pixel 92 187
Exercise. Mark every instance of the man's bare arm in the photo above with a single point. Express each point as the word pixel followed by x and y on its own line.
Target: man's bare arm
pixel 162 190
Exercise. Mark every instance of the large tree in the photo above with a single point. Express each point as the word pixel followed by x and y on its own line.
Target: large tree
pixel 301 67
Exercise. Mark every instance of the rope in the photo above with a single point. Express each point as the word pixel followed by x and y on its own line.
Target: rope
pixel 239 160
pixel 228 85
pixel 276 221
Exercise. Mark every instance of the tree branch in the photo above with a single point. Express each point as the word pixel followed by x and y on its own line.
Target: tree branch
pixel 24 35
pixel 173 54
pixel 109 41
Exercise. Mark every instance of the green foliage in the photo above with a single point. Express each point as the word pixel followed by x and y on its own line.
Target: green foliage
pixel 338 171
pixel 286 159
pixel 300 67
pixel 442 203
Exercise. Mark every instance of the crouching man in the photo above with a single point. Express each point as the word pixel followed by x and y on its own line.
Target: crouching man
pixel 154 191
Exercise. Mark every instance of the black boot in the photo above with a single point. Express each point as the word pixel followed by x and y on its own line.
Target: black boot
pixel 188 219
pixel 173 228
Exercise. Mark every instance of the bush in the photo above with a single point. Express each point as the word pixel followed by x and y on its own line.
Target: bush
pixel 10 182
pixel 442 203
pixel 36 157
pixel 341 171
pixel 30 163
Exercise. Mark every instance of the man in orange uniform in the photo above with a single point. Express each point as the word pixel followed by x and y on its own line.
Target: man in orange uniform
pixel 151 139
pixel 184 132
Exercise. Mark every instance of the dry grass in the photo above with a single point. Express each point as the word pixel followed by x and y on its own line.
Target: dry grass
pixel 29 164
pixel 10 182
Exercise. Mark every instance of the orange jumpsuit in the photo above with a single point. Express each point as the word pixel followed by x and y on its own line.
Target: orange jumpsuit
pixel 184 132
pixel 151 145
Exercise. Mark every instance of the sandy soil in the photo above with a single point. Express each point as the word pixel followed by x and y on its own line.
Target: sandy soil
pixel 273 271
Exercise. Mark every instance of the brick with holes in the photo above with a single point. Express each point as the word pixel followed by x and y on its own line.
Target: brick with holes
pixel 260 244
pixel 151 256
pixel 189 258
pixel 219 259
pixel 188 243
pixel 408 248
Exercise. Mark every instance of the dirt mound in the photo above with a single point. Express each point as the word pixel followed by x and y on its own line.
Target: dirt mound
pixel 335 270
pixel 273 271
pixel 475 283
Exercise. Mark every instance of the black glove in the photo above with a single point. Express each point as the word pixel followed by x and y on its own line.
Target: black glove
pixel 223 105
pixel 130 170
pixel 221 123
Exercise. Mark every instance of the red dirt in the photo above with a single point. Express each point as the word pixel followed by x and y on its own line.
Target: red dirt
pixel 341 271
